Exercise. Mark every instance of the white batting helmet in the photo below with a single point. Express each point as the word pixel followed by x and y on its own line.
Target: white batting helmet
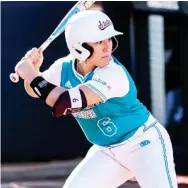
pixel 87 26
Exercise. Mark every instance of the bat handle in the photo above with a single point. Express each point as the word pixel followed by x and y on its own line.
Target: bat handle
pixel 14 77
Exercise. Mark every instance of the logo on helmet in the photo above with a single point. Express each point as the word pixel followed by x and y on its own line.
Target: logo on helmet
pixel 104 24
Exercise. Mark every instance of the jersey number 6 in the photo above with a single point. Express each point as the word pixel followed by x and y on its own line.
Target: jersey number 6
pixel 107 127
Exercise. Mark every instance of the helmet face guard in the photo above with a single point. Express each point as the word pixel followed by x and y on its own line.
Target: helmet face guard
pixel 78 51
pixel 87 26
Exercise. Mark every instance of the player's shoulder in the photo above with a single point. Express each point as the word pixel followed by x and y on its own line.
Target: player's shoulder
pixel 53 73
pixel 113 68
pixel 66 59
pixel 111 76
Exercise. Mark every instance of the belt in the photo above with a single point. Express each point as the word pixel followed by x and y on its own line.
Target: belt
pixel 149 123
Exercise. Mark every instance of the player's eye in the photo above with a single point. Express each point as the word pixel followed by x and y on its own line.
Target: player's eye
pixel 100 42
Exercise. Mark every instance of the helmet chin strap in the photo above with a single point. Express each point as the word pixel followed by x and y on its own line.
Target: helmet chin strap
pixel 116 44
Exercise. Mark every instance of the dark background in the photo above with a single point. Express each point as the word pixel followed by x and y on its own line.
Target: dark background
pixel 29 132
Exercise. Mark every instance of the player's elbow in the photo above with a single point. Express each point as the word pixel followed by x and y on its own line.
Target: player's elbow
pixel 62 105
pixel 69 102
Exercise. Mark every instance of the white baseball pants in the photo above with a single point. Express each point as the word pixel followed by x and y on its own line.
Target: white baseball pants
pixel 147 156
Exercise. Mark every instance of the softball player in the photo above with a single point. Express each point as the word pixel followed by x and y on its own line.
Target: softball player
pixel 97 90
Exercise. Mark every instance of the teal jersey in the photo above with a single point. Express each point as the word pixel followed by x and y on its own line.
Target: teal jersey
pixel 119 115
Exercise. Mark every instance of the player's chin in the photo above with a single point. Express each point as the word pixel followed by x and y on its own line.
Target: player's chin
pixel 105 61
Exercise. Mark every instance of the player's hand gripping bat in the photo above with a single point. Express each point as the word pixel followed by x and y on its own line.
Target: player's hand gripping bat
pixel 79 6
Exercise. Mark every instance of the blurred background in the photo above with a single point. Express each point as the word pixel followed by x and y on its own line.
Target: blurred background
pixel 154 48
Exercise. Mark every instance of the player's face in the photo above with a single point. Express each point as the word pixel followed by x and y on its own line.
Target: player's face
pixel 102 53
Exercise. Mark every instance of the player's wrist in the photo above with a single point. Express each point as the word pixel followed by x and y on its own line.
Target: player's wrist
pixel 41 87
pixel 32 76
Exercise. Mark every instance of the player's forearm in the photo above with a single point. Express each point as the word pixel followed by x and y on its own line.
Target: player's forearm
pixel 54 95
pixel 27 82
pixel 51 99
pixel 33 91
pixel 62 101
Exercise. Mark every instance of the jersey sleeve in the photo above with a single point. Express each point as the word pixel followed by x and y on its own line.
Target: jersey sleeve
pixel 109 82
pixel 53 74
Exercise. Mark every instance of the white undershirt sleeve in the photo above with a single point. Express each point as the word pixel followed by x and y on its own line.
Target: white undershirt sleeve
pixel 53 74
pixel 109 82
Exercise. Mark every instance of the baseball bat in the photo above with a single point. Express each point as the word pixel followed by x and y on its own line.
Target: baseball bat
pixel 79 6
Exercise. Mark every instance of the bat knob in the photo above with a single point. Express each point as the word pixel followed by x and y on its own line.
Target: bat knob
pixel 14 77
